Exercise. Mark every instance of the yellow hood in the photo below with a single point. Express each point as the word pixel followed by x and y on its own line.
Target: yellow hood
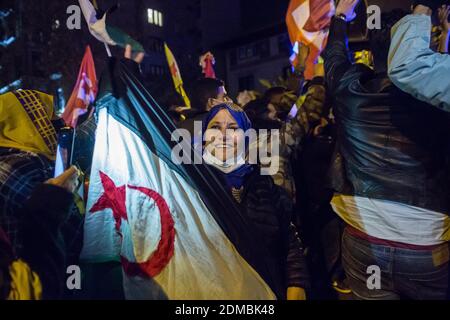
pixel 25 122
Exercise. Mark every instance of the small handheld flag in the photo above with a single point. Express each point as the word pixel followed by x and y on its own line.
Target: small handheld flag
pixel 84 92
pixel 207 62
pixel 176 75
pixel 307 22
pixel 105 33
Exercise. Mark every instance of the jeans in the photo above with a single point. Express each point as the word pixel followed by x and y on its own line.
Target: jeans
pixel 405 273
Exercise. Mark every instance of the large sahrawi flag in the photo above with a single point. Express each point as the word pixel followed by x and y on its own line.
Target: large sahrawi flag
pixel 175 230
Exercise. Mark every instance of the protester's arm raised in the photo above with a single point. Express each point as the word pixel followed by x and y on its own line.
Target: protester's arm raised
pixel 337 53
pixel 413 66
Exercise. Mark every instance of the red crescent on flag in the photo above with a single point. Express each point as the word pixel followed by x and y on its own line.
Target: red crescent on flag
pixel 114 198
pixel 164 252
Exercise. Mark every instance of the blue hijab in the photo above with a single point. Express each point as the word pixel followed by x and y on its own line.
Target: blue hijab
pixel 236 178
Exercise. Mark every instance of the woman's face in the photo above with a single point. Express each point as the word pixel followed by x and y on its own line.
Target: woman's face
pixel 222 138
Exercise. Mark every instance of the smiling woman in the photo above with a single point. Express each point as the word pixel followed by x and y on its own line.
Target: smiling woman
pixel 224 140
pixel 264 205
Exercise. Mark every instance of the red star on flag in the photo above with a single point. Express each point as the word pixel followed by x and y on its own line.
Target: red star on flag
pixel 113 198
pixel 174 70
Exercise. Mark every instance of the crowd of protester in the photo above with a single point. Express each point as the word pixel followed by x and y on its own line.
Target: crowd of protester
pixel 363 175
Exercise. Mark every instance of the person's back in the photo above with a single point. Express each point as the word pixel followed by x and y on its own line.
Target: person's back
pixel 389 173
pixel 394 147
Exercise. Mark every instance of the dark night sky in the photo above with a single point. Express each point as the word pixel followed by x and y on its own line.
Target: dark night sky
pixel 259 12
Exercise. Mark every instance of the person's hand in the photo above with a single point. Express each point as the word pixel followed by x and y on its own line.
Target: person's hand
pixel 426 6
pixel 347 8
pixel 444 12
pixel 420 9
pixel 67 180
pixel 138 57
pixel 296 293
pixel 319 128
pixel 181 109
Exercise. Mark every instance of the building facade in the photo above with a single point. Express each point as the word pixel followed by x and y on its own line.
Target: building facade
pixel 249 39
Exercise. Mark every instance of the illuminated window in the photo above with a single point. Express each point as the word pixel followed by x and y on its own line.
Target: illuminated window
pixel 160 16
pixel 150 16
pixel 155 17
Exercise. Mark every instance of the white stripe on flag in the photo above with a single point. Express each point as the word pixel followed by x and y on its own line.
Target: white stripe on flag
pixel 301 16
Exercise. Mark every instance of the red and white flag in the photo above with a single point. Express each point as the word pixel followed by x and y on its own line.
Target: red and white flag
pixel 207 62
pixel 308 22
pixel 84 92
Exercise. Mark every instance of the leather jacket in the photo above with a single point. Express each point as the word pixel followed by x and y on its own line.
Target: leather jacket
pixel 390 146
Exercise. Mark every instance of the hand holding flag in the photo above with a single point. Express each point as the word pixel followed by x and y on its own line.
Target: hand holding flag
pixel 138 58
pixel 347 8
pixel 67 180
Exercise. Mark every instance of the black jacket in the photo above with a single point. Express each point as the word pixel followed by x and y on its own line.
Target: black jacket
pixel 44 249
pixel 6 259
pixel 389 145
pixel 268 210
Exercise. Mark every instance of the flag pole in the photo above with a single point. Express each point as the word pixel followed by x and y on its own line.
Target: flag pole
pixel 108 51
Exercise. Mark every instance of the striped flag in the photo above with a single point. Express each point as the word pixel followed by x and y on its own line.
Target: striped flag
pixel 308 22
pixel 84 92
pixel 165 223
pixel 109 35
pixel 176 75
